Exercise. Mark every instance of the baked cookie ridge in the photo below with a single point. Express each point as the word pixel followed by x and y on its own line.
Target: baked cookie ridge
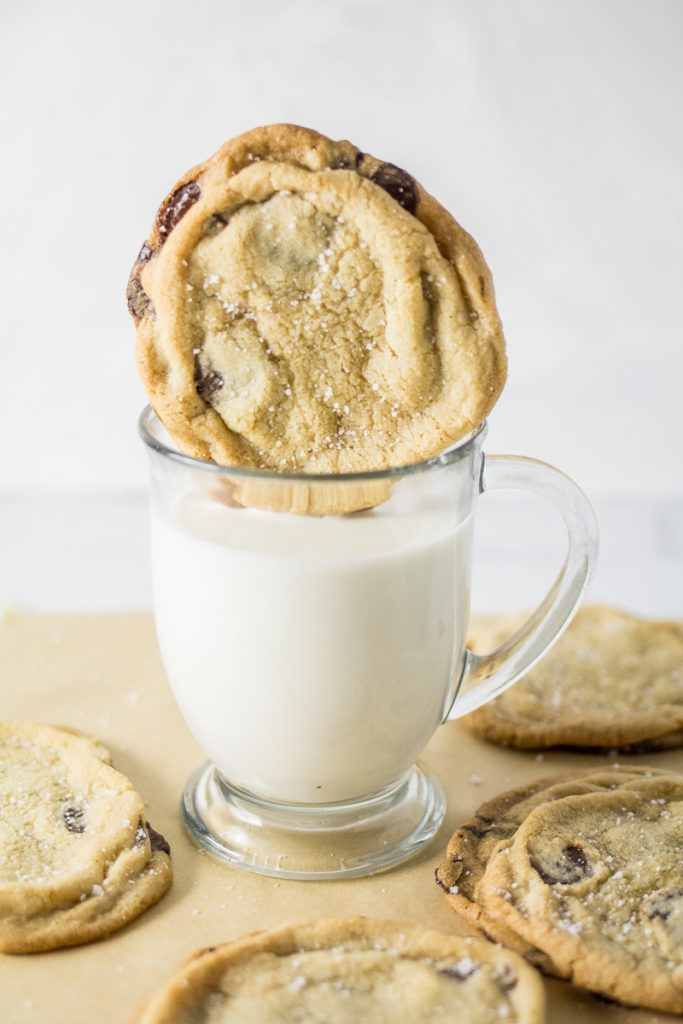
pixel 614 680
pixel 344 970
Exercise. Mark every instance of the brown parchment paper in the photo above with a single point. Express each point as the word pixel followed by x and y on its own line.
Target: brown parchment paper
pixel 103 674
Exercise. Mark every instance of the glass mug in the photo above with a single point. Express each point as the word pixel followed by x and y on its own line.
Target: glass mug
pixel 313 632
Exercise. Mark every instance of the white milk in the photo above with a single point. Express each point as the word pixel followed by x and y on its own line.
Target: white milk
pixel 311 657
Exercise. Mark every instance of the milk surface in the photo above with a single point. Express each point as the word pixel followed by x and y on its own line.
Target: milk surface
pixel 311 657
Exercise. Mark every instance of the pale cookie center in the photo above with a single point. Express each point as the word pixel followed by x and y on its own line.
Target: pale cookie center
pixel 620 867
pixel 51 819
pixel 40 816
pixel 344 987
pixel 292 336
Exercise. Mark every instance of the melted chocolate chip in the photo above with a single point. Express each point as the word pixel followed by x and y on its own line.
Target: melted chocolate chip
pixel 139 302
pixel 662 904
pixel 157 841
pixel 176 206
pixel 571 866
pixel 145 254
pixel 73 819
pixel 399 184
pixel 208 383
pixel 462 970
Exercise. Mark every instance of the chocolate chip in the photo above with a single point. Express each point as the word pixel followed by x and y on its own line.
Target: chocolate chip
pixel 157 841
pixel 215 223
pixel 207 382
pixel 571 866
pixel 662 904
pixel 462 970
pixel 145 254
pixel 507 978
pixel 139 302
pixel 137 298
pixel 399 184
pixel 176 206
pixel 73 819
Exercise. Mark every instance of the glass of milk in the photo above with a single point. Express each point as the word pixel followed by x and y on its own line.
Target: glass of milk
pixel 313 632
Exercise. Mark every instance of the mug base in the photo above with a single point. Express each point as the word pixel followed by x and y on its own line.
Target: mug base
pixel 313 841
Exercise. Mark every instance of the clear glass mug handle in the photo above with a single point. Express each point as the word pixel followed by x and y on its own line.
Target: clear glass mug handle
pixel 486 675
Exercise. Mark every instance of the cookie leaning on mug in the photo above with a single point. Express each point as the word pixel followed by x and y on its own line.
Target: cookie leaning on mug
pixel 77 858
pixel 303 306
pixel 350 970
pixel 582 874
pixel 613 680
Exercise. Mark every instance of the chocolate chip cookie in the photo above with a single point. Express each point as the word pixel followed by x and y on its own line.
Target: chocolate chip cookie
pixel 303 306
pixel 613 680
pixel 350 970
pixel 582 874
pixel 77 858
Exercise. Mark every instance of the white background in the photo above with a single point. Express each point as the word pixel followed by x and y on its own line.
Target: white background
pixel 552 130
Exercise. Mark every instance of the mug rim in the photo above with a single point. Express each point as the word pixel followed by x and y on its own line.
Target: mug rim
pixel 454 453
